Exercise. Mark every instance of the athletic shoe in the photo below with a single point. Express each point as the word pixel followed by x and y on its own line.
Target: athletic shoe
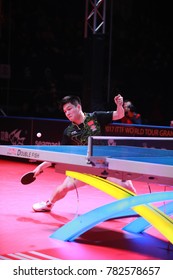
pixel 42 206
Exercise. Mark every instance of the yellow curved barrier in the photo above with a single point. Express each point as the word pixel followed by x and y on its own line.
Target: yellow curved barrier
pixel 162 222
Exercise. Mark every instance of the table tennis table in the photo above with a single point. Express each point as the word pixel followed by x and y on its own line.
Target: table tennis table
pixel 92 164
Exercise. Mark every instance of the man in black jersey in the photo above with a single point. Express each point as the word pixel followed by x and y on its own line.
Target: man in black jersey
pixel 81 127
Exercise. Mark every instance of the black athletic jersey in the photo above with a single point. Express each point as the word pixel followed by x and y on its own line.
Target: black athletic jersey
pixel 92 126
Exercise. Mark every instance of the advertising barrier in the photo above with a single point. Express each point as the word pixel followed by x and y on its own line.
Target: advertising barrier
pixel 40 131
pixel 31 131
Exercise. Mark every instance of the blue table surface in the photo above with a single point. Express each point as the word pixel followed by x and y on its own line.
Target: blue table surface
pixel 150 155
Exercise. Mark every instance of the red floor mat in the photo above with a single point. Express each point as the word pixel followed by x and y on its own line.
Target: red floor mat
pixel 25 234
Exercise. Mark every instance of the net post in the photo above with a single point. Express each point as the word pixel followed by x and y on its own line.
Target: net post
pixel 90 148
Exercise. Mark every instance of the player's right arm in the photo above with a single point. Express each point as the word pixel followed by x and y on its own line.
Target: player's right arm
pixel 41 167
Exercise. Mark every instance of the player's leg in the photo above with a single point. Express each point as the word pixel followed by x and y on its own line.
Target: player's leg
pixel 127 184
pixel 60 192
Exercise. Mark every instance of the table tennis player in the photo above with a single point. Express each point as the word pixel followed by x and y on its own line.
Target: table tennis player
pixel 81 127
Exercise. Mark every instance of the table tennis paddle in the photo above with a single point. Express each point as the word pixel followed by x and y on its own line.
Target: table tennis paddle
pixel 28 178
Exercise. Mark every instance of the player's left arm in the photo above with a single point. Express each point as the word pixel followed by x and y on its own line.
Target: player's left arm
pixel 119 113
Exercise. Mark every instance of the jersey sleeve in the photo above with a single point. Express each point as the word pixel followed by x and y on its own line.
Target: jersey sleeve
pixel 104 117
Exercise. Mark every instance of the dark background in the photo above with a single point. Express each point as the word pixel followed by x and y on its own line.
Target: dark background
pixel 43 43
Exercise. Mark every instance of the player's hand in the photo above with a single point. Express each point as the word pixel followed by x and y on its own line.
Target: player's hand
pixel 118 99
pixel 37 171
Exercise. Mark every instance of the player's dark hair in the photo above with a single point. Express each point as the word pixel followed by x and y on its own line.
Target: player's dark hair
pixel 73 99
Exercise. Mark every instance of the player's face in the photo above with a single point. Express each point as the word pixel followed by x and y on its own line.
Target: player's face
pixel 71 111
